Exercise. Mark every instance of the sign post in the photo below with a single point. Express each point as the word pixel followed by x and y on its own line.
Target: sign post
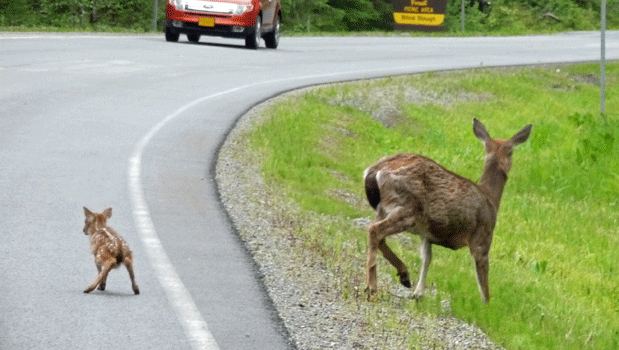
pixel 462 16
pixel 155 15
pixel 603 60
pixel 425 15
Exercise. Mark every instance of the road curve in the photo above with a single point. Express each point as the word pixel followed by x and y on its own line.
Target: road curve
pixel 135 123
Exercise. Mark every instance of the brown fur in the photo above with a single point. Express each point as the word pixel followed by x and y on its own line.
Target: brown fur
pixel 109 249
pixel 413 193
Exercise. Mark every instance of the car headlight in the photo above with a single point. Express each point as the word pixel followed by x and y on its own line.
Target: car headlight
pixel 179 4
pixel 241 9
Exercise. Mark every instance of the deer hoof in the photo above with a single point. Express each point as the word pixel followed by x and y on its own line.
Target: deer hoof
pixel 136 291
pixel 406 282
pixel 370 293
pixel 101 287
pixel 418 294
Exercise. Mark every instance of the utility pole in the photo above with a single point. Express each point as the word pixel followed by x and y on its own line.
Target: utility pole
pixel 155 15
pixel 462 17
pixel 603 61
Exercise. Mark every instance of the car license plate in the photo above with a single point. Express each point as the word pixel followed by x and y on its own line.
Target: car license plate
pixel 206 21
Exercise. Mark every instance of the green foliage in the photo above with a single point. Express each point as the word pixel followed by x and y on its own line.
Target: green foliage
pixel 337 15
pixel 16 12
pixel 357 13
pixel 311 15
pixel 528 16
pixel 597 139
pixel 384 18
pixel 127 14
pixel 135 14
pixel 553 276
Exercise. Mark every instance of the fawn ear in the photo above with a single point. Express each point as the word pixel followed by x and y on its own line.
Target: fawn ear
pixel 522 135
pixel 87 212
pixel 480 131
pixel 107 213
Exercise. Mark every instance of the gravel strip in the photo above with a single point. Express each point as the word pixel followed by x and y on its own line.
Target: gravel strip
pixel 306 293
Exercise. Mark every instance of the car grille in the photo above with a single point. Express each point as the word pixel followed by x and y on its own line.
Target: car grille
pixel 209 7
pixel 203 14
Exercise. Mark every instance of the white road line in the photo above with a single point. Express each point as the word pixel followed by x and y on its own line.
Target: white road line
pixel 195 327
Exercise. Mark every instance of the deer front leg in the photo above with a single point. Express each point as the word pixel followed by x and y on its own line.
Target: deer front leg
pixel 482 266
pixel 480 249
pixel 425 250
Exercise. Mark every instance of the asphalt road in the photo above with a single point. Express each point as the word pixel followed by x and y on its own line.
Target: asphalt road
pixel 134 123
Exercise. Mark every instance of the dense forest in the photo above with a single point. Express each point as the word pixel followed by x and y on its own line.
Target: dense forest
pixel 303 16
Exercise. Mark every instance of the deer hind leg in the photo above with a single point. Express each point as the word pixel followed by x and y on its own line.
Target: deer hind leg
pixel 425 250
pixel 396 262
pixel 128 261
pixel 397 221
pixel 105 269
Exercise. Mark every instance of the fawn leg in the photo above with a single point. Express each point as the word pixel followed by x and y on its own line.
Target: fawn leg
pixel 102 283
pixel 425 250
pixel 105 269
pixel 129 264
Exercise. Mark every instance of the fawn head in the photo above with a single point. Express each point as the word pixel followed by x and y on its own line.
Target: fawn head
pixel 499 151
pixel 95 221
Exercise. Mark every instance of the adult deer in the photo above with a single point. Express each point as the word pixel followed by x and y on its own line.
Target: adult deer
pixel 410 192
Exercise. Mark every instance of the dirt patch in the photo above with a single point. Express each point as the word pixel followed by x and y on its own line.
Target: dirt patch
pixel 387 104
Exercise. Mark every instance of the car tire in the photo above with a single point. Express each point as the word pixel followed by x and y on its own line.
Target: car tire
pixel 253 40
pixel 271 39
pixel 171 36
pixel 194 38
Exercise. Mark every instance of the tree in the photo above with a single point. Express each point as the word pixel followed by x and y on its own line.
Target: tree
pixel 358 14
pixel 310 15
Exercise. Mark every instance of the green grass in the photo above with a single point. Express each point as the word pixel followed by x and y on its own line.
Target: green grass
pixel 554 260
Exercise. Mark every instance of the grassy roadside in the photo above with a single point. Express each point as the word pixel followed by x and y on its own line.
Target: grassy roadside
pixel 553 267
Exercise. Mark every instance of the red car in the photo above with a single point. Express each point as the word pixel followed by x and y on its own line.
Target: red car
pixel 248 19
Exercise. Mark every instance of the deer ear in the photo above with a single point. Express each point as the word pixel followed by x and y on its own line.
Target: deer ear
pixel 87 212
pixel 522 135
pixel 480 131
pixel 107 213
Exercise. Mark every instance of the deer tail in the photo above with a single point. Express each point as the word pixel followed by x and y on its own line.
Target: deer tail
pixel 371 187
